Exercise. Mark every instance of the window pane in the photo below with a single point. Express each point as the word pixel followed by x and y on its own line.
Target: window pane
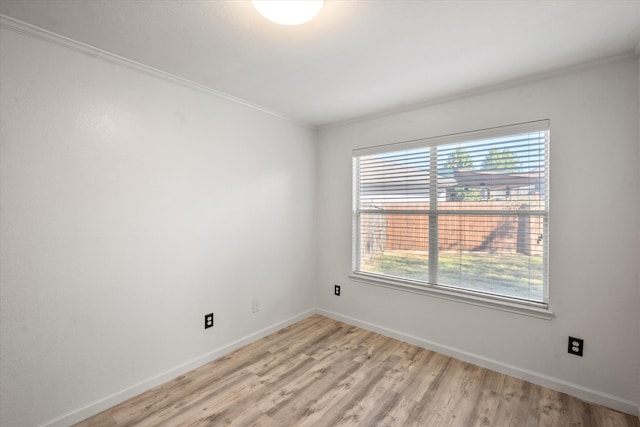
pixel 395 245
pixel 495 254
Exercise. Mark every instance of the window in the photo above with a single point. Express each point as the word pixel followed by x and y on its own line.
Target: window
pixel 463 214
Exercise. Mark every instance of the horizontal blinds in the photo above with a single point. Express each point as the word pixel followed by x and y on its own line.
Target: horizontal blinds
pixel 469 212
pixel 396 180
pixel 522 128
pixel 511 167
pixel 505 168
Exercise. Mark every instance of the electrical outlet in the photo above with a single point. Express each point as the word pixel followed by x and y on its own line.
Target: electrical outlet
pixel 336 290
pixel 255 306
pixel 576 346
pixel 208 320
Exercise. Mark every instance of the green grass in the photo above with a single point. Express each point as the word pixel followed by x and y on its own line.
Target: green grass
pixel 513 275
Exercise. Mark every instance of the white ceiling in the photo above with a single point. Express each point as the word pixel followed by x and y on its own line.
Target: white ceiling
pixel 357 58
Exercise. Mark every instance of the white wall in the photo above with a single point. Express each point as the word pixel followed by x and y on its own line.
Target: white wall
pixel 637 303
pixel 132 205
pixel 594 248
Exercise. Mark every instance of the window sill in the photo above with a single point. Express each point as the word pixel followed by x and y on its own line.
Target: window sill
pixel 462 296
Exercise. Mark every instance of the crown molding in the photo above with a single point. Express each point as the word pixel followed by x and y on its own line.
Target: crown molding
pixel 487 89
pixel 36 32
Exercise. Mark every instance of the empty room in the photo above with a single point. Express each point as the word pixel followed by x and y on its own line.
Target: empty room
pixel 319 213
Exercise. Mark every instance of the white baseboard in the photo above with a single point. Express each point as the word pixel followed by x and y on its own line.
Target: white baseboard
pixel 119 397
pixel 576 390
pixel 533 377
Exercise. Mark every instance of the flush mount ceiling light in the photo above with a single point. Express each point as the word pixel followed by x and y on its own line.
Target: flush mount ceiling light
pixel 288 12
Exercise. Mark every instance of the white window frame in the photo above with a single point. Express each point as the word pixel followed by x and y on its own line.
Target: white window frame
pixel 494 301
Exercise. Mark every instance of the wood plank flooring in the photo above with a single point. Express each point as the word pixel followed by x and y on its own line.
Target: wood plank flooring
pixel 321 372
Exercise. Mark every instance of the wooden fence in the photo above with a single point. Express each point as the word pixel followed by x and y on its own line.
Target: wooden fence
pixel 388 231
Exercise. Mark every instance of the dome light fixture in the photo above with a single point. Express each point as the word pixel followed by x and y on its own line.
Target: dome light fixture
pixel 288 12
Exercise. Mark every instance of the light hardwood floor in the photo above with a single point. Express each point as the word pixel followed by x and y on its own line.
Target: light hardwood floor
pixel 321 372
